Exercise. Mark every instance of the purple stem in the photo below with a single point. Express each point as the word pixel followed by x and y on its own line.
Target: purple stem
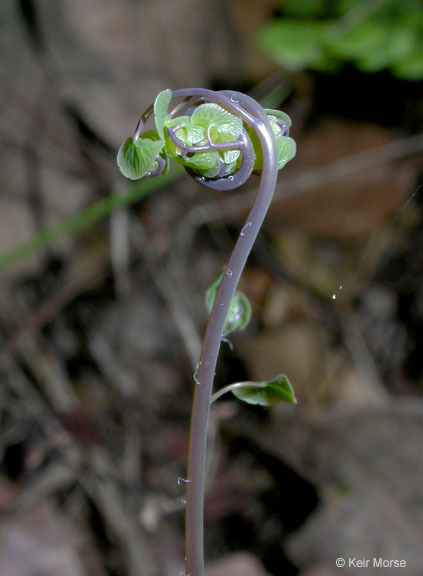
pixel 284 128
pixel 253 115
pixel 223 181
pixel 160 167
pixel 231 182
pixel 238 145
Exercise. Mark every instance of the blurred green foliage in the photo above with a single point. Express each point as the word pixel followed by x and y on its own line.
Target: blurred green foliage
pixel 372 35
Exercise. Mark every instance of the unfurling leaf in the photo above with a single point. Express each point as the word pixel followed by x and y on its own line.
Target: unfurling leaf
pixel 279 114
pixel 137 157
pixel 223 126
pixel 239 313
pixel 161 106
pixel 287 149
pixel 266 393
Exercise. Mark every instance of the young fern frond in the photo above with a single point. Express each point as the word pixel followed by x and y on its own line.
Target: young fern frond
pixel 220 138
pixel 217 147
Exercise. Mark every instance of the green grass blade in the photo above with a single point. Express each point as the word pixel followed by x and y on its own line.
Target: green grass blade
pixel 86 217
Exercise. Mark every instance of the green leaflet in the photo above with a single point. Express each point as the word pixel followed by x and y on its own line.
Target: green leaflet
pixel 200 161
pixel 212 172
pixel 224 126
pixel 191 135
pixel 186 133
pixel 279 114
pixel 230 156
pixel 152 135
pixel 287 148
pixel 192 131
pixel 266 393
pixel 137 157
pixel 208 122
pixel 161 105
pixel 285 145
pixel 212 290
pixel 239 313
pixel 178 121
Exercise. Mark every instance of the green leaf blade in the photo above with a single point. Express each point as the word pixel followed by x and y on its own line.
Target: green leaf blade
pixel 201 161
pixel 239 313
pixel 266 393
pixel 287 148
pixel 191 135
pixel 161 106
pixel 224 126
pixel 137 157
pixel 279 114
pixel 230 156
pixel 212 290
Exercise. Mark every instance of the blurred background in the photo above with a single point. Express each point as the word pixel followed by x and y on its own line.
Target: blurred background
pixel 102 309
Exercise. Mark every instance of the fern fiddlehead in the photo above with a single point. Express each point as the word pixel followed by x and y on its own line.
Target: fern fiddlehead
pixel 220 138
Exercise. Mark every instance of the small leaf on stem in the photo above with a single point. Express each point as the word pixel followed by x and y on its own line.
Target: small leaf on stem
pixel 266 393
pixel 212 290
pixel 161 106
pixel 239 313
pixel 287 148
pixel 137 157
pixel 279 114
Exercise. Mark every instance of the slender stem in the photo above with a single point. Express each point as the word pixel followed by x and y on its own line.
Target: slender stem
pixel 253 115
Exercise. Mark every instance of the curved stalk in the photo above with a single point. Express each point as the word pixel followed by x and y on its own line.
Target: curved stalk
pixel 253 115
pixel 205 157
pixel 229 388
